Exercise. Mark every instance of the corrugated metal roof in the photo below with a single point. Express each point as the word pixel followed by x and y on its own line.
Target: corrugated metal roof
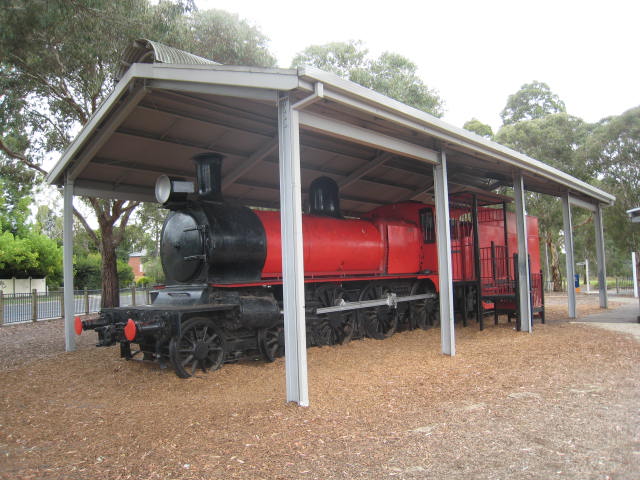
pixel 148 51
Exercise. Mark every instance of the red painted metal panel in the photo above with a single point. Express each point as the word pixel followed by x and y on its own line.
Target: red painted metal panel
pixel 331 246
pixel 404 248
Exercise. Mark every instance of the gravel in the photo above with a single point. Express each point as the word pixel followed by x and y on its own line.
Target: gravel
pixel 561 403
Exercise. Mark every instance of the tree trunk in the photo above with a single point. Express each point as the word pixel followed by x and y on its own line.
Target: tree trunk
pixel 556 277
pixel 110 285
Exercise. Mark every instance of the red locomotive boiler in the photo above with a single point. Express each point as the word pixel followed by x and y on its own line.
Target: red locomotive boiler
pixel 364 276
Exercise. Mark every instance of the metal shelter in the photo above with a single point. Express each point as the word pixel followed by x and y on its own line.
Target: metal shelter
pixel 279 129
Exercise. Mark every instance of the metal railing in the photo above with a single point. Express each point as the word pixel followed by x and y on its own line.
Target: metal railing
pixel 34 306
pixel 622 286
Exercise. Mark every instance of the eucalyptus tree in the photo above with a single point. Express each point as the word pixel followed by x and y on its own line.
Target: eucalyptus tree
pixel 533 100
pixel 390 74
pixel 476 126
pixel 57 63
pixel 613 153
pixel 554 139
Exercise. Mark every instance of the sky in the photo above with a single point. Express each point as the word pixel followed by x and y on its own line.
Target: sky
pixel 476 53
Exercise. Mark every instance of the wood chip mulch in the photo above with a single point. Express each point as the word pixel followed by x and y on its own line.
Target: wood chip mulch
pixel 559 403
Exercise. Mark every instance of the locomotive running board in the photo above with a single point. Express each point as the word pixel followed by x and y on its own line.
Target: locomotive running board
pixel 391 300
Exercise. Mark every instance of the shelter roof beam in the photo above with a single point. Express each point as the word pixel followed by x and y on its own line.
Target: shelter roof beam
pixel 266 132
pixel 177 141
pixel 122 191
pixel 364 136
pixel 137 167
pixel 246 165
pixel 258 94
pixel 364 169
pixel 268 186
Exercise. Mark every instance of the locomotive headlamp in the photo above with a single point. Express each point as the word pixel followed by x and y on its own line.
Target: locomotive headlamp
pixel 172 189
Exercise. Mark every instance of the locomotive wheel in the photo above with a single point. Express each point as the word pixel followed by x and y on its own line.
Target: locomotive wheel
pixel 378 322
pixel 200 345
pixel 271 343
pixel 422 311
pixel 342 324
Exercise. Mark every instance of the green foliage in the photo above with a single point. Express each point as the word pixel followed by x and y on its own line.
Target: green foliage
pixel 554 139
pixel 47 222
pixel 533 100
pixel 390 74
pixel 476 126
pixel 153 270
pixel 340 58
pixel 33 255
pixel 16 182
pixel 16 256
pixel 613 152
pixel 143 282
pixel 87 272
pixel 225 38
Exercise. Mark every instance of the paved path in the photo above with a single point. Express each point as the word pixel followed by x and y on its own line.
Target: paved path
pixel 625 318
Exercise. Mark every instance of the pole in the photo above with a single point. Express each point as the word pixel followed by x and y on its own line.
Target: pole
pixel 586 266
pixel 34 305
pixel 524 289
pixel 634 268
pixel 443 243
pixel 292 253
pixel 67 266
pixel 570 262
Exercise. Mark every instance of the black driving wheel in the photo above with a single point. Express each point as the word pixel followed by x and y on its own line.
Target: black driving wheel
pixel 342 324
pixel 378 322
pixel 423 312
pixel 199 346
pixel 271 343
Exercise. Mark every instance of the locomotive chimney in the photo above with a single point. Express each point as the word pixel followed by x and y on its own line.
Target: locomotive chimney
pixel 323 198
pixel 209 175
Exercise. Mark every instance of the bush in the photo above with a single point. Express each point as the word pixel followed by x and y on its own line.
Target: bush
pixel 88 272
pixel 143 281
pixel 31 255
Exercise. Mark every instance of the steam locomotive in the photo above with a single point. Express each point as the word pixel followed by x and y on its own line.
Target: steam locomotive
pixel 364 277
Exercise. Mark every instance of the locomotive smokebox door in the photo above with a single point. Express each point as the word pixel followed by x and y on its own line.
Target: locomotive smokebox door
pixel 182 250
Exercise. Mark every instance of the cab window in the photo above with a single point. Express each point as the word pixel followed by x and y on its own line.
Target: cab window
pixel 427 225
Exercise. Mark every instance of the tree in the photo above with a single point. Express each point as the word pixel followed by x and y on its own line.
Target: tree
pixel 57 63
pixel 476 126
pixel 556 140
pixel 340 58
pixel 533 100
pixel 225 38
pixel 87 272
pixel 390 74
pixel 613 153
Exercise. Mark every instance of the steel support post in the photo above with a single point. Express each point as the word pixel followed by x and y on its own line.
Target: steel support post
pixel 67 266
pixel 600 257
pixel 524 292
pixel 570 260
pixel 634 270
pixel 441 197
pixel 292 253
